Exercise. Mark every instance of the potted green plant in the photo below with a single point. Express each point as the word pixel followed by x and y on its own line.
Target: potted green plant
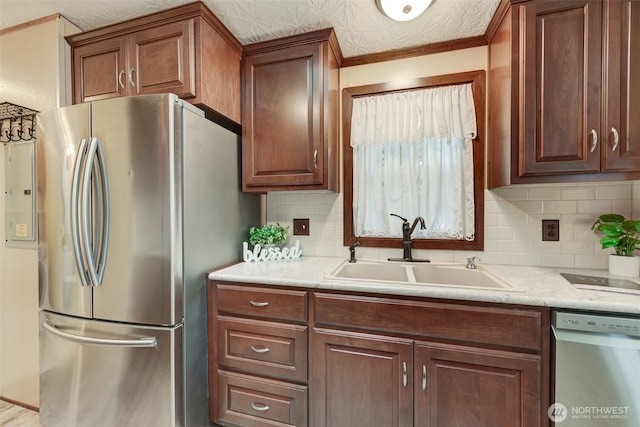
pixel 271 234
pixel 623 236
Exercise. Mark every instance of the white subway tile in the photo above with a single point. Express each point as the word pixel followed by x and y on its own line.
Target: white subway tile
pixel 597 262
pixel 498 233
pixel 558 260
pixel 513 194
pixel 612 192
pixel 559 207
pixel 512 223
pixel 528 207
pixel 545 193
pixel 595 206
pixel 526 259
pixel 579 193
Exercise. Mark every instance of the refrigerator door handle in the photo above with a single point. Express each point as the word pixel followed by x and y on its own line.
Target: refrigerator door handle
pixel 85 210
pixel 78 250
pixel 96 249
pixel 140 342
pixel 104 206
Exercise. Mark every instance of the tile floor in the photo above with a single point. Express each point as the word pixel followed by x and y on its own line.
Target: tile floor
pixel 16 416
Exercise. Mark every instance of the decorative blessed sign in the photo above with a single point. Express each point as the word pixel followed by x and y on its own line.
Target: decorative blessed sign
pixel 270 254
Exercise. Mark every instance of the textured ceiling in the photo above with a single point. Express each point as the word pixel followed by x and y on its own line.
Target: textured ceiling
pixel 361 29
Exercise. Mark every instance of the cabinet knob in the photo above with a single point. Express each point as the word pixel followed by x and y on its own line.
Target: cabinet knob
pixel 120 77
pixel 315 159
pixel 594 140
pixel 616 139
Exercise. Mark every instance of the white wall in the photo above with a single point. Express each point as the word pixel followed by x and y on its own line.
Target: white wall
pixel 513 215
pixel 34 61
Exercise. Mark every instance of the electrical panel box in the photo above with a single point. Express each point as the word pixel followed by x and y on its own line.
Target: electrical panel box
pixel 20 198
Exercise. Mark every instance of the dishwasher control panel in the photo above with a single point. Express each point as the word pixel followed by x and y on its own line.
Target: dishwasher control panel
pixel 596 323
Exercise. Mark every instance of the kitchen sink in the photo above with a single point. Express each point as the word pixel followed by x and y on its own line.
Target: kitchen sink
pixel 384 272
pixel 432 274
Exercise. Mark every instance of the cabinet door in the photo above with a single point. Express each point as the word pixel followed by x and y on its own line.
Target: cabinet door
pixel 282 117
pixel 463 386
pixel 362 380
pixel 162 59
pixel 99 70
pixel 621 132
pixel 559 123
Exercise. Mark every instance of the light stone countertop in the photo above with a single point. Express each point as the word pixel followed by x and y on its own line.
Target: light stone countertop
pixel 537 286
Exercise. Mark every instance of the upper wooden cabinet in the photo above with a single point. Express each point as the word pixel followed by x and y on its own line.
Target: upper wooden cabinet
pixel 185 50
pixel 561 100
pixel 290 113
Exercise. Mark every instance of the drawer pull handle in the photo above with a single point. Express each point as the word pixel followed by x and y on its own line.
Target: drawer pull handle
pixel 258 303
pixel 260 406
pixel 260 349
pixel 424 377
pixel 404 374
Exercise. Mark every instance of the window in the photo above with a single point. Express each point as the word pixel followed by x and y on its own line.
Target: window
pixel 392 170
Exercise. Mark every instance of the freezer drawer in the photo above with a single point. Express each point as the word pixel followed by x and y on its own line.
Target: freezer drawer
pixel 95 373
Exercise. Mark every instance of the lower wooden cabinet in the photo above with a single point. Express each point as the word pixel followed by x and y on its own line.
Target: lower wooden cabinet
pixel 465 386
pixel 258 344
pixel 286 356
pixel 362 380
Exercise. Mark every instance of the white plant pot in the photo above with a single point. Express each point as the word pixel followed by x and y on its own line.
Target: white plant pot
pixel 628 266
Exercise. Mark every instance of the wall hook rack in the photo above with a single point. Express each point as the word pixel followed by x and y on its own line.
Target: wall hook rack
pixel 16 123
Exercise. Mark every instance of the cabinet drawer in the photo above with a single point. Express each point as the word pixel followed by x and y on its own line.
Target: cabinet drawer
pixel 265 348
pixel 250 401
pixel 504 327
pixel 266 303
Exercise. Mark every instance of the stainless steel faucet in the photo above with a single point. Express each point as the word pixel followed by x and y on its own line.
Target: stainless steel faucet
pixel 471 262
pixel 407 230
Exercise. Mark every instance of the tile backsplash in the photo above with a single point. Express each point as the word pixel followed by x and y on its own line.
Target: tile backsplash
pixel 513 223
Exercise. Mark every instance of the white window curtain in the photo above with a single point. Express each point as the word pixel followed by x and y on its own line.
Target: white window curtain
pixel 413 156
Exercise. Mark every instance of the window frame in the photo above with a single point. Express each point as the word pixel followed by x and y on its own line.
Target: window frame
pixel 477 79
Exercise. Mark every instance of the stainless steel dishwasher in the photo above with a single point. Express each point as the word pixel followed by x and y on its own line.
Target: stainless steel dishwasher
pixel 597 370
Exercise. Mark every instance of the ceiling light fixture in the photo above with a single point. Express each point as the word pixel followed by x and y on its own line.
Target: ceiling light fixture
pixel 403 10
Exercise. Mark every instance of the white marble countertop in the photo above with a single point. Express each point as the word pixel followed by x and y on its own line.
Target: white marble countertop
pixel 537 286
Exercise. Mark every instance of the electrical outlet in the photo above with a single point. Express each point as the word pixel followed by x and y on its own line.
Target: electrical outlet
pixel 301 227
pixel 550 230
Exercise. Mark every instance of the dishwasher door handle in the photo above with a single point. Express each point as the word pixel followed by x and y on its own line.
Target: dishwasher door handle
pixel 595 339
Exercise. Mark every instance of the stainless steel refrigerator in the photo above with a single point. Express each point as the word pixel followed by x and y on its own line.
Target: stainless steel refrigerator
pixel 137 198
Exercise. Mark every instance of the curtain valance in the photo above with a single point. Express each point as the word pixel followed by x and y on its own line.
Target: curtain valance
pixel 413 116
